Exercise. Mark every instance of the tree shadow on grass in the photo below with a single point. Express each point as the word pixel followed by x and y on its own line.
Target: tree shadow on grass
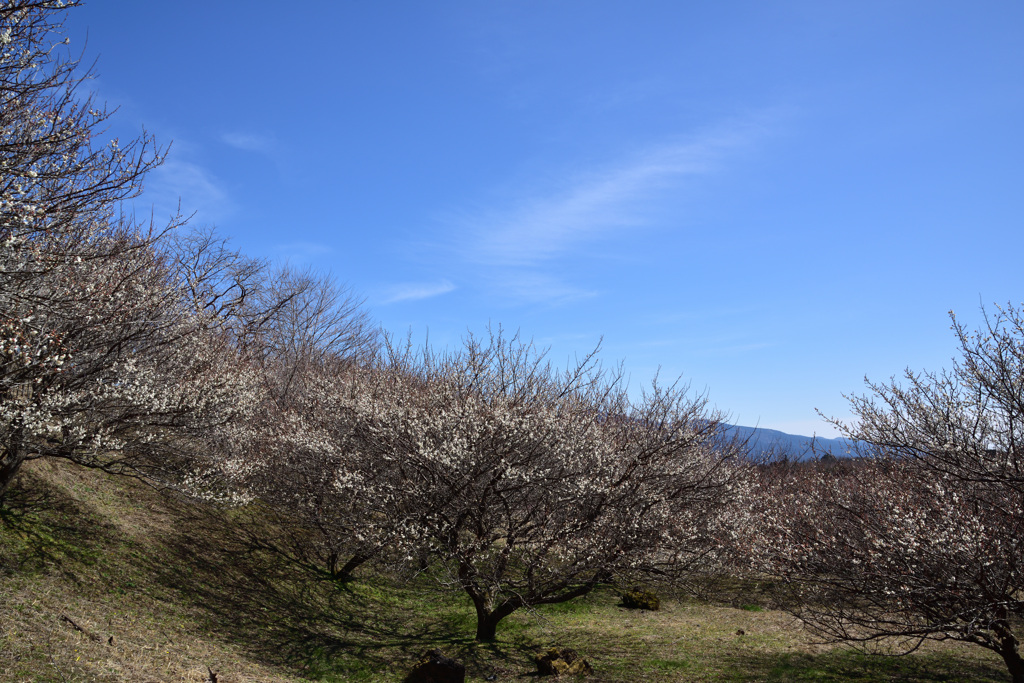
pixel 177 552
pixel 46 529
pixel 845 665
pixel 286 615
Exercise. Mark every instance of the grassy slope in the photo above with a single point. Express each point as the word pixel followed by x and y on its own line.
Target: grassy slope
pixel 160 590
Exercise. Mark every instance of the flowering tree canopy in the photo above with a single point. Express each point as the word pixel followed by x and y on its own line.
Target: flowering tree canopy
pixel 527 485
pixel 967 422
pixel 314 347
pixel 923 537
pixel 105 357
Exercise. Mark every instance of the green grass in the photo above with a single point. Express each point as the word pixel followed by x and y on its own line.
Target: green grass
pixel 162 589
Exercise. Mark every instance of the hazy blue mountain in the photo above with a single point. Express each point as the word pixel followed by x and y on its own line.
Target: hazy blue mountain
pixel 798 447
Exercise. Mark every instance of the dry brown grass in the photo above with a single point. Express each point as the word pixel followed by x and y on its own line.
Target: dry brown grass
pixel 78 598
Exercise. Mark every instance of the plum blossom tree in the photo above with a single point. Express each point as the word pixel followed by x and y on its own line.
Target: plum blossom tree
pixel 967 422
pixel 530 485
pixel 306 467
pixel 923 538
pixel 313 344
pixel 105 357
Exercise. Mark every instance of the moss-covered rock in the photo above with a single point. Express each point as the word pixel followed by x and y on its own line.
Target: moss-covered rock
pixel 638 598
pixel 567 662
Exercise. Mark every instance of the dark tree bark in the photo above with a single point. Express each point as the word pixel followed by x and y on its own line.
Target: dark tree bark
pixel 1009 650
pixel 344 573
pixel 10 463
pixel 488 618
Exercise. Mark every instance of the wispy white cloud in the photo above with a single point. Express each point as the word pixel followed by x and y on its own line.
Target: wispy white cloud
pixel 190 185
pixel 534 287
pixel 249 142
pixel 527 246
pixel 301 251
pixel 593 206
pixel 415 291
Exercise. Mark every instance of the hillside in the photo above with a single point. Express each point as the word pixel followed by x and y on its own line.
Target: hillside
pixel 762 441
pixel 104 579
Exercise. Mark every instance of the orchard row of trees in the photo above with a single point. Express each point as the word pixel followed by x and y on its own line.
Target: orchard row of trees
pixel 122 344
pixel 162 353
pixel 519 483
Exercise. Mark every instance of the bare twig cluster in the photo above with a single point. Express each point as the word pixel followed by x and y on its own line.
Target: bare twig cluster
pixel 922 537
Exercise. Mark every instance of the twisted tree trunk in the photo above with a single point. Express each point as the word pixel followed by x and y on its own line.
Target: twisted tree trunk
pixel 11 459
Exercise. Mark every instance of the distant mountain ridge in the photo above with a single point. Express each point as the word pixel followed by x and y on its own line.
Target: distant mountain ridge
pixel 760 441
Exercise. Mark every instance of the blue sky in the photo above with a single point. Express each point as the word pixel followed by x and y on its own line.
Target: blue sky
pixel 772 199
